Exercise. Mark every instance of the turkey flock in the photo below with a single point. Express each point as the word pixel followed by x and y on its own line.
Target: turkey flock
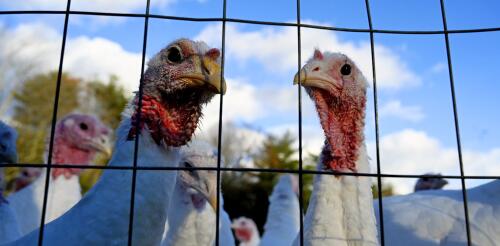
pixel 179 208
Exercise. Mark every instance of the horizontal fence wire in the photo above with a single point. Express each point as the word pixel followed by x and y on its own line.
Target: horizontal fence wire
pixel 269 23
pixel 249 169
pixel 134 167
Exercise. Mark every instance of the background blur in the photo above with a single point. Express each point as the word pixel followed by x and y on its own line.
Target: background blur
pixel 260 118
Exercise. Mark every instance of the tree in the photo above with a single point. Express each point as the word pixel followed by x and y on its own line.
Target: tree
pixel 33 109
pixel 387 190
pixel 246 194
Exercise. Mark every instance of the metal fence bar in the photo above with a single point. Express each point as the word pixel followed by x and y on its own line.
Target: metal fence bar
pixel 300 171
pixel 137 125
pixel 53 127
pixel 244 169
pixel 457 128
pixel 375 106
pixel 299 105
pixel 270 23
pixel 219 142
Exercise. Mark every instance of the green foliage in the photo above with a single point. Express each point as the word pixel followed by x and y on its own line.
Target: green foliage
pixel 387 190
pixel 111 100
pixel 246 194
pixel 34 102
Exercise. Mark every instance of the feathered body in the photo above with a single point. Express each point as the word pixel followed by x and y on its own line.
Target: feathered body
pixel 102 216
pixel 28 202
pixel 340 210
pixel 283 216
pixel 9 227
pixel 78 138
pixel 436 217
pixel 191 219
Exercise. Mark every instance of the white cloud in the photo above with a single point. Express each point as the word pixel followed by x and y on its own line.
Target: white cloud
pixel 439 67
pixel 415 152
pixel 276 49
pixel 38 47
pixel 85 5
pixel 396 109
pixel 248 103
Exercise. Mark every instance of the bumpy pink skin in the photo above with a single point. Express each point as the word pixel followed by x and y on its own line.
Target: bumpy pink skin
pixel 172 124
pixel 171 107
pixel 341 112
pixel 71 143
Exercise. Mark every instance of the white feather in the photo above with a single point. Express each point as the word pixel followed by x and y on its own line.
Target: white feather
pixel 283 221
pixel 28 202
pixel 437 217
pixel 102 216
pixel 340 210
pixel 187 225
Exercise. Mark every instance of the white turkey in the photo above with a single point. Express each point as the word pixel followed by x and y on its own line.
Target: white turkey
pixel 437 217
pixel 191 221
pixel 283 216
pixel 77 140
pixel 340 209
pixel 433 182
pixel 179 80
pixel 9 227
pixel 246 231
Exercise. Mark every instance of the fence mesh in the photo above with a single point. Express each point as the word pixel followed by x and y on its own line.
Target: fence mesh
pixel 300 171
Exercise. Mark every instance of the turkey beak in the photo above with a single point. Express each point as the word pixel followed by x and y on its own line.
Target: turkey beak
pixel 300 77
pixel 103 145
pixel 207 73
pixel 316 78
pixel 209 190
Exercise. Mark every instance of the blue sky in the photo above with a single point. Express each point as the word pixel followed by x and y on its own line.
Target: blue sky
pixel 415 110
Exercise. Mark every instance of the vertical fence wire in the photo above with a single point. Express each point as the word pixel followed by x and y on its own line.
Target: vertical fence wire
pixel 219 169
pixel 137 126
pixel 219 136
pixel 299 107
pixel 53 127
pixel 375 106
pixel 455 117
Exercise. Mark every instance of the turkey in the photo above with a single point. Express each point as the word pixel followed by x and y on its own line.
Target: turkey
pixel 283 221
pixel 77 139
pixel 437 217
pixel 340 209
pixel 246 231
pixel 435 182
pixel 9 227
pixel 190 220
pixel 179 80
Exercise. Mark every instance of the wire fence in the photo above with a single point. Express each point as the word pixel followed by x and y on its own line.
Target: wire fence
pixel 300 171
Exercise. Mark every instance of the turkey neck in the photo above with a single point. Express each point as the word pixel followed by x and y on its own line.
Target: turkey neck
pixel 341 211
pixel 185 225
pixel 65 153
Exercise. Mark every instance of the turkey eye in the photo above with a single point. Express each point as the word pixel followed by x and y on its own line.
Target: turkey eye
pixel 174 55
pixel 83 126
pixel 346 69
